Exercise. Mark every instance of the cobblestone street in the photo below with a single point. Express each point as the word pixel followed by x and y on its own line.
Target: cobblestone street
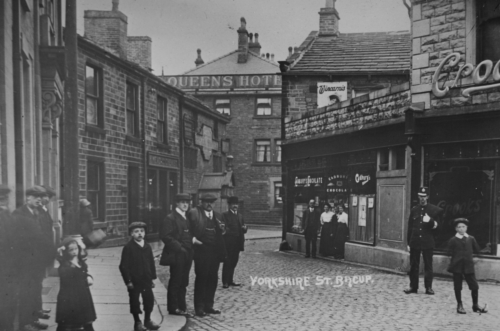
pixel 379 304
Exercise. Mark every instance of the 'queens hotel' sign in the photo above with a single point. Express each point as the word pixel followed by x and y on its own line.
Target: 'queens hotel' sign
pixel 224 81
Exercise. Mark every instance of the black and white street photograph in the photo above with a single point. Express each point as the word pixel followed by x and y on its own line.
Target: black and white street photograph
pixel 262 165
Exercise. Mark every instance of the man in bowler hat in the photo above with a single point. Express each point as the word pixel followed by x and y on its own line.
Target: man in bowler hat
pixel 424 219
pixel 176 234
pixel 208 253
pixel 234 240
pixel 33 252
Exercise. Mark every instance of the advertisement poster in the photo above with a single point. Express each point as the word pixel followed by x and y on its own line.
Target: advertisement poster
pixel 297 219
pixel 331 92
pixel 362 211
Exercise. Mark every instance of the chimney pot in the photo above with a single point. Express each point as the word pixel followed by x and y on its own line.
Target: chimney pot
pixel 267 56
pixel 290 50
pixel 199 61
pixel 243 42
pixel 256 38
pixel 272 57
pixel 295 50
pixel 330 4
pixel 263 55
pixel 250 37
pixel 116 4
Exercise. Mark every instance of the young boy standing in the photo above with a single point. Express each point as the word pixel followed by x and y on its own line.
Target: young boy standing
pixel 138 270
pixel 460 248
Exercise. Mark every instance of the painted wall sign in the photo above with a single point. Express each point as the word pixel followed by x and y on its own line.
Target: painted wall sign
pixel 220 81
pixel 156 160
pixel 464 71
pixel 204 140
pixel 363 180
pixel 308 181
pixel 331 92
pixel 337 184
pixel 188 130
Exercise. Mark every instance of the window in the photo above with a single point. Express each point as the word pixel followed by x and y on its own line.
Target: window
pixel 217 159
pixel 132 125
pixel 263 151
pixel 278 193
pixel 216 129
pixel 161 127
pixel 93 96
pixel 277 150
pixel 223 106
pixel 190 157
pixel 95 188
pixel 488 30
pixel 264 107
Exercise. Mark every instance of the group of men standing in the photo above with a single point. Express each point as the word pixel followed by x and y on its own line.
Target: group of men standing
pixel 202 235
pixel 26 250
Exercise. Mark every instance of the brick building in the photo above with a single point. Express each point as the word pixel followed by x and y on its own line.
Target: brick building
pixel 344 97
pixel 131 143
pixel 32 66
pixel 244 86
pixel 440 130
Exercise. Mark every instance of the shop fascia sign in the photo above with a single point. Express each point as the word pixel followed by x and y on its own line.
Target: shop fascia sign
pixel 362 179
pixel 336 184
pixel 221 81
pixel 465 71
pixel 308 181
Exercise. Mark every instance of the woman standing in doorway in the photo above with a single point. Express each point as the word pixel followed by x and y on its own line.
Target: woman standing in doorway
pixel 328 223
pixel 341 233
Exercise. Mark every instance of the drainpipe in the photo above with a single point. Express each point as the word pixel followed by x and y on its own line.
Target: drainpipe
pixel 18 110
pixel 70 147
pixel 181 145
pixel 144 152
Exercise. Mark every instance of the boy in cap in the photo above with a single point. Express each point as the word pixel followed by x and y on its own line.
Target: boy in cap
pixel 421 224
pixel 176 234
pixel 137 267
pixel 460 248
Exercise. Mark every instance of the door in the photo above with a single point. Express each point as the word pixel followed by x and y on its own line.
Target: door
pixel 162 188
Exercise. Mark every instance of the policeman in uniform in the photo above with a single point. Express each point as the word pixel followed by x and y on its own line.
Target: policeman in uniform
pixel 424 218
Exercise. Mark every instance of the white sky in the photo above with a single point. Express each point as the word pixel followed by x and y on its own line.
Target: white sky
pixel 179 27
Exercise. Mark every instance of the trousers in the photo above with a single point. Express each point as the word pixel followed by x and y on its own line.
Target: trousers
pixel 206 269
pixel 233 255
pixel 179 280
pixel 311 239
pixel 148 299
pixel 415 266
pixel 470 279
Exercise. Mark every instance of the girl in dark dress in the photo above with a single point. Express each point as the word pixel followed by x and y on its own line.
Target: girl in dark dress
pixel 341 233
pixel 328 223
pixel 75 307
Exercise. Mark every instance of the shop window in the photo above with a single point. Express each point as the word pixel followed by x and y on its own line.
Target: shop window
pixel 278 194
pixel 488 30
pixel 263 151
pixel 277 151
pixel 264 107
pixel 161 126
pixel 392 158
pixel 96 189
pixel 132 110
pixel 190 157
pixel 93 96
pixel 399 158
pixel 217 163
pixel 223 106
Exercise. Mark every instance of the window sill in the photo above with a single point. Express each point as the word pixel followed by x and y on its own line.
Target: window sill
pixel 266 164
pixel 95 129
pixel 133 139
pixel 264 117
pixel 163 146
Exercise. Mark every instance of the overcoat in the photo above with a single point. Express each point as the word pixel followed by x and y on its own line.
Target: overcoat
pixel 171 232
pixel 421 234
pixel 234 228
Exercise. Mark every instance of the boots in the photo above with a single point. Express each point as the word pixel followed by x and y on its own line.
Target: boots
pixel 460 309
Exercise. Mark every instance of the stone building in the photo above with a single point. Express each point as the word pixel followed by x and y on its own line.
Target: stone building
pixel 32 66
pixel 129 127
pixel 440 129
pixel 244 86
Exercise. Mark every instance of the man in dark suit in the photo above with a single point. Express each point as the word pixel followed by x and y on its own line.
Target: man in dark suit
pixel 310 225
pixel 234 240
pixel 208 229
pixel 33 252
pixel 176 234
pixel 424 218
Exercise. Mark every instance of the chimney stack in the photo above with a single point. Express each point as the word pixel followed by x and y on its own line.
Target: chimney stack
pixel 290 52
pixel 255 46
pixel 243 42
pixel 199 61
pixel 329 20
pixel 139 51
pixel 108 29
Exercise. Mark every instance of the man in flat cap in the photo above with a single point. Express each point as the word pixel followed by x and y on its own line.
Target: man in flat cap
pixel 8 278
pixel 208 230
pixel 424 218
pixel 33 253
pixel 176 234
pixel 234 239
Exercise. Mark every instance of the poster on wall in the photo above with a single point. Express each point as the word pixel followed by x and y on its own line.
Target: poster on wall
pixel 362 211
pixel 298 210
pixel 330 93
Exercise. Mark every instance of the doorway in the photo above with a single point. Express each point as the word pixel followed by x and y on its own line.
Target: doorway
pixel 162 188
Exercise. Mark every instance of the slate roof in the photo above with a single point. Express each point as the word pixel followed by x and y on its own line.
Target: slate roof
pixel 374 52
pixel 228 65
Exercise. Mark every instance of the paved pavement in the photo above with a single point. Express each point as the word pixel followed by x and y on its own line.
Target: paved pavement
pixel 378 303
pixel 111 297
